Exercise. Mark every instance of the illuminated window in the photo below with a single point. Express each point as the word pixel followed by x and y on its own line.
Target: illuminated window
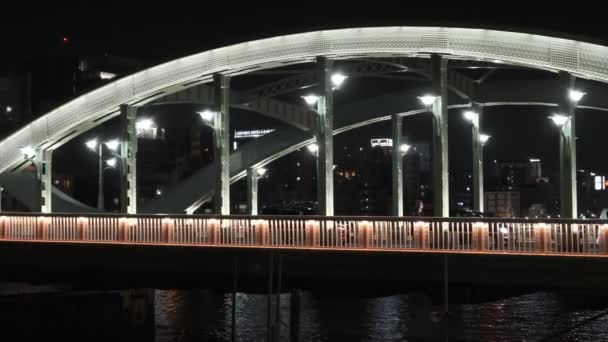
pixel 600 183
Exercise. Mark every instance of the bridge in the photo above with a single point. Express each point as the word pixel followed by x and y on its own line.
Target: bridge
pixel 574 73
pixel 362 255
pixel 161 243
pixel 432 56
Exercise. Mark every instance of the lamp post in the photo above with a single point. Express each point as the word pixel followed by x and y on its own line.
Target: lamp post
pixel 253 175
pixel 221 157
pixel 1 190
pixel 478 141
pixel 567 160
pixel 314 150
pixel 323 105
pixel 398 152
pixel 97 147
pixel 565 121
pixel 436 103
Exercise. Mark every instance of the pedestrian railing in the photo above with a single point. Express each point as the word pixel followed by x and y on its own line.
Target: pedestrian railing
pixel 486 235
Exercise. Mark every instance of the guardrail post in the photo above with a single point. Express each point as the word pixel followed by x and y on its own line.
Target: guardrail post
pixel 122 229
pixel 312 233
pixel 365 234
pixel 480 236
pixel 542 237
pixel 214 230
pixel 168 225
pixel 261 232
pixel 421 235
pixel 603 237
pixel 82 226
pixel 42 226
pixel 3 226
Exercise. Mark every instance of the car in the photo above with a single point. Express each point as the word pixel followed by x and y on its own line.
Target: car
pixel 466 213
pixel 291 208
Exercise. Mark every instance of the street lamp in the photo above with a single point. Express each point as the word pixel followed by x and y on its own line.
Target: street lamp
pixel 1 190
pixel 113 144
pixel 559 120
pixel 470 115
pixel 311 99
pixel 427 100
pixel 96 146
pixel 567 162
pixel 478 141
pixel 483 138
pixel 337 79
pixel 404 148
pixel 313 148
pixel 207 115
pixel 261 171
pixel 253 176
pixel 112 162
pixel 91 144
pixel 575 95
pixel 144 124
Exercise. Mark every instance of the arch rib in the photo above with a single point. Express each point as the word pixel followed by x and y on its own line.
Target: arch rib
pixel 583 60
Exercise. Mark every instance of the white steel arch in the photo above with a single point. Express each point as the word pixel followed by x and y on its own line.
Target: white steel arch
pixel 65 122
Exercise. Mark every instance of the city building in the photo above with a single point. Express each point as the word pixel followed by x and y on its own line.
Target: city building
pixel 502 203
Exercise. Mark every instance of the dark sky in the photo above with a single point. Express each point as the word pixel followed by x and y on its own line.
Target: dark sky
pixel 174 29
pixel 168 30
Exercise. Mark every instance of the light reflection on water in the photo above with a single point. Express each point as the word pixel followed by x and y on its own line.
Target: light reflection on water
pixel 203 315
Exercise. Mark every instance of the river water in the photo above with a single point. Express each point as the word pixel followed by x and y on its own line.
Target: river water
pixel 206 316
pixel 202 316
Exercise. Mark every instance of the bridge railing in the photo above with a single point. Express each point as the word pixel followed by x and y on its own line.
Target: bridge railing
pixel 489 235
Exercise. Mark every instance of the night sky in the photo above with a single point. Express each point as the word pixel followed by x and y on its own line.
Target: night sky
pixel 177 29
pixel 165 32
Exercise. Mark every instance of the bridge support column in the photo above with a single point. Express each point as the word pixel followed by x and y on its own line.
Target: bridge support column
pixel 441 191
pixel 397 166
pixel 221 145
pixel 44 170
pixel 567 150
pixel 128 165
pixel 325 139
pixel 477 159
pixel 252 191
